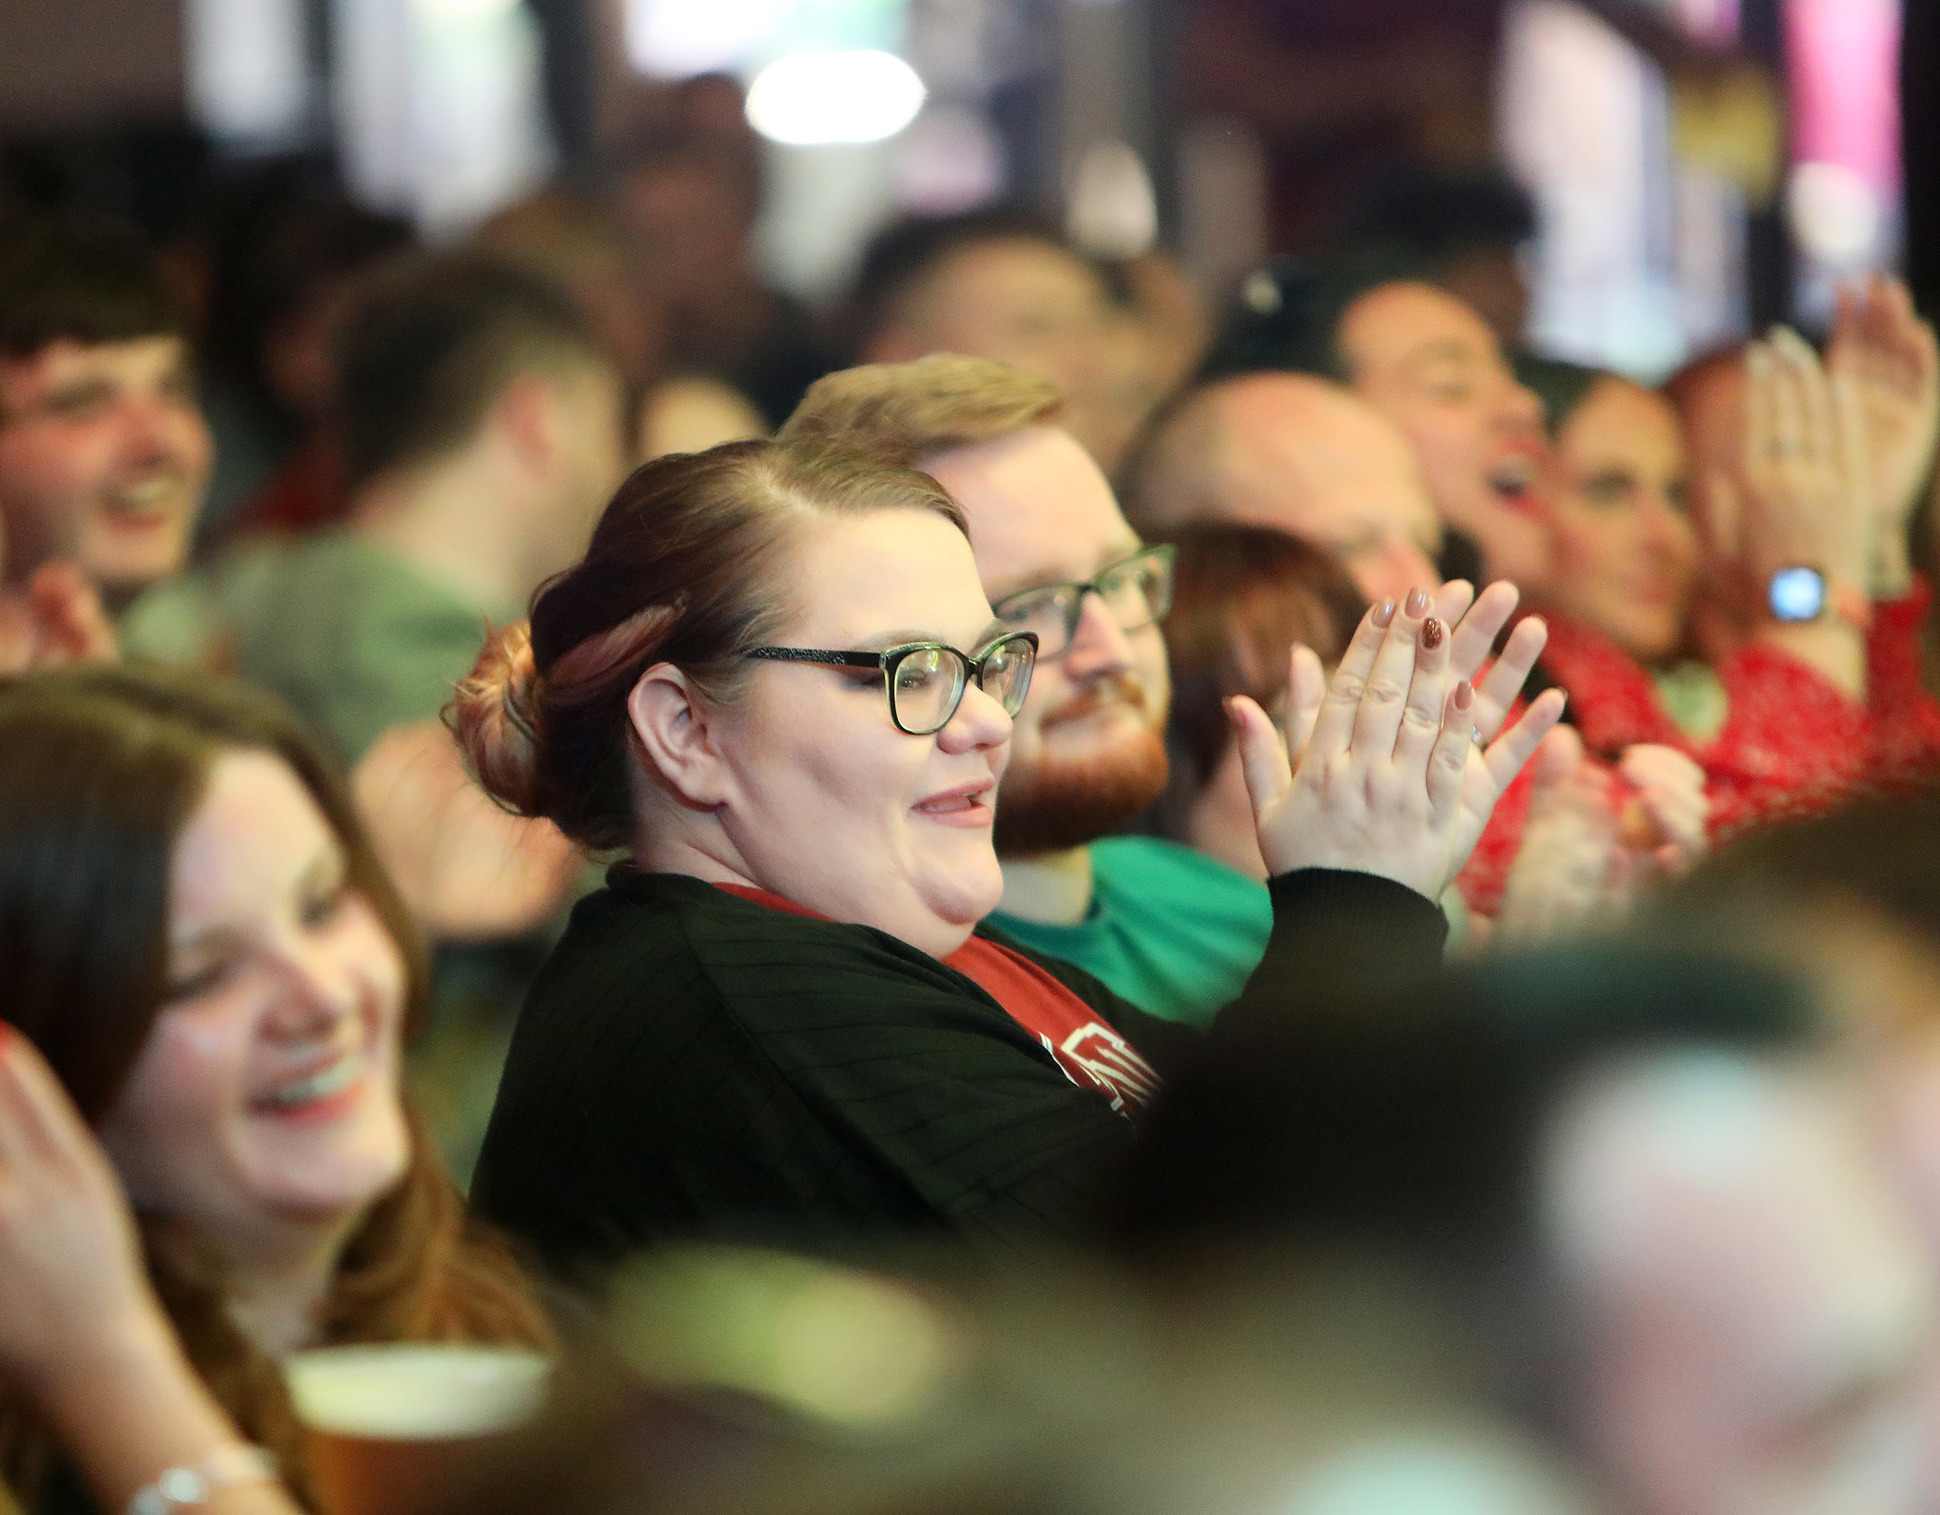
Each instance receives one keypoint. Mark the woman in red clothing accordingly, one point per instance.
(1814, 693)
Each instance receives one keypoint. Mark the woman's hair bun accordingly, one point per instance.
(494, 714)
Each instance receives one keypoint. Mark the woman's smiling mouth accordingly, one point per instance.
(965, 805)
(318, 1095)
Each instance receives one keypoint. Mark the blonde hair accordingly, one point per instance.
(904, 413)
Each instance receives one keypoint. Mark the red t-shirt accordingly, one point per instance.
(1092, 1054)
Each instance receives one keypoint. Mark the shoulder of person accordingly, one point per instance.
(1153, 862)
(765, 966)
(1159, 1040)
(192, 618)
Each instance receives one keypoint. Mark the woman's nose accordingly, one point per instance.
(319, 990)
(1664, 524)
(980, 721)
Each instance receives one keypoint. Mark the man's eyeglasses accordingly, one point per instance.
(926, 680)
(1137, 591)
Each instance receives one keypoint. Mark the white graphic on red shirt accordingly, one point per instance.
(1095, 1056)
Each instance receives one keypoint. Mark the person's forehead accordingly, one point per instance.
(1039, 508)
(1336, 464)
(1621, 418)
(1017, 268)
(65, 360)
(888, 571)
(1414, 323)
(256, 826)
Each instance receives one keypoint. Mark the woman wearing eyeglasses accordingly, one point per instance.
(774, 686)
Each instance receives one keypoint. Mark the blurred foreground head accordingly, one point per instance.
(1852, 902)
(1642, 1182)
(773, 1385)
(104, 454)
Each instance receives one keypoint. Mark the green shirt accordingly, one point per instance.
(1169, 929)
(350, 634)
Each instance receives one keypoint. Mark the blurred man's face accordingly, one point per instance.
(1756, 1319)
(104, 457)
(1429, 363)
(1086, 750)
(1338, 475)
(1017, 301)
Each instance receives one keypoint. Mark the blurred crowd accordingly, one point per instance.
(1030, 893)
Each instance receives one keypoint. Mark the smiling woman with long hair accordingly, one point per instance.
(198, 941)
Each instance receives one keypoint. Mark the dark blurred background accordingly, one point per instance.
(1690, 169)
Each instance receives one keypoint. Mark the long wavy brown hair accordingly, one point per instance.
(100, 771)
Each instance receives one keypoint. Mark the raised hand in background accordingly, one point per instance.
(1890, 358)
(1806, 501)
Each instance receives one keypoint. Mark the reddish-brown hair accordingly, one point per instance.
(687, 566)
(101, 770)
(1242, 597)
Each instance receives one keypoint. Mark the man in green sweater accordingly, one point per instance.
(482, 434)
(1169, 929)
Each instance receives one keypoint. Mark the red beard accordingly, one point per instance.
(1058, 803)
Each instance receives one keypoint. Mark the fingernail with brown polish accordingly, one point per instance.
(1384, 614)
(1417, 602)
(1431, 634)
(1464, 695)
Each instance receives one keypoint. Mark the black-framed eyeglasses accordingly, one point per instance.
(1136, 591)
(925, 680)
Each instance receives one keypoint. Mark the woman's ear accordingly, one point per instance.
(673, 730)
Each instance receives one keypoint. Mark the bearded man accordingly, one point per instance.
(1167, 928)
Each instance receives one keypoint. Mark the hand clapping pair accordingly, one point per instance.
(1395, 768)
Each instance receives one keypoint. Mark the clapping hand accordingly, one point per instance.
(70, 1267)
(57, 619)
(1382, 772)
(1596, 836)
(1664, 822)
(1805, 468)
(1889, 356)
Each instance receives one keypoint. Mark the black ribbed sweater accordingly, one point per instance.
(690, 1064)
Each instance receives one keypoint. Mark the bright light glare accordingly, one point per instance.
(678, 38)
(462, 12)
(1835, 213)
(809, 99)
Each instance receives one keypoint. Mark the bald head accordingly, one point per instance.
(1306, 457)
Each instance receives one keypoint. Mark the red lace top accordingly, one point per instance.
(1906, 718)
(1092, 1054)
(1792, 743)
